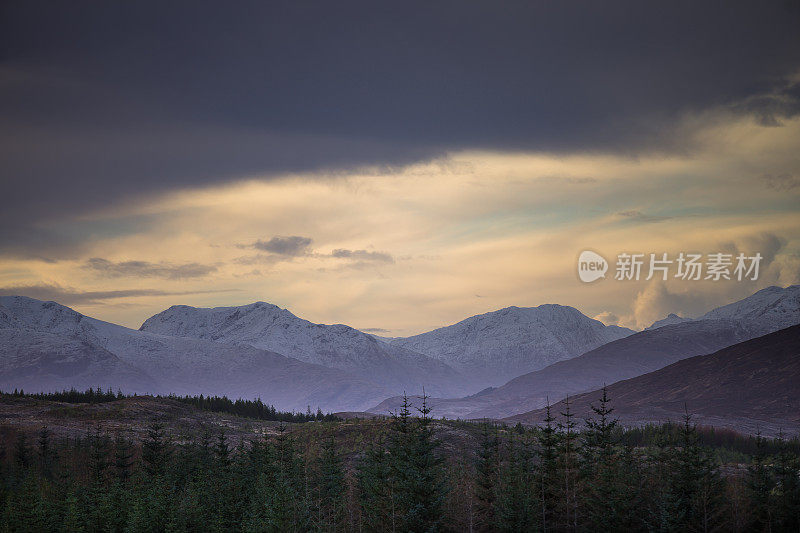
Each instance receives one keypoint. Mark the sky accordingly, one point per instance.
(394, 167)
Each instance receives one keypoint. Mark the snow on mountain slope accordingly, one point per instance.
(174, 364)
(670, 319)
(36, 360)
(767, 310)
(500, 345)
(624, 358)
(764, 312)
(269, 327)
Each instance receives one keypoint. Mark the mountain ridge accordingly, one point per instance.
(637, 354)
(502, 344)
(754, 384)
(269, 327)
(180, 365)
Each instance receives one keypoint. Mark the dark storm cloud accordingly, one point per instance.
(292, 246)
(71, 296)
(769, 109)
(104, 101)
(146, 269)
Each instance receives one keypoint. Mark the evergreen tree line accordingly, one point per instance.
(220, 404)
(553, 477)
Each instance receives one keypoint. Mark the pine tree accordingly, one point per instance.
(222, 452)
(377, 489)
(279, 501)
(760, 485)
(22, 505)
(47, 456)
(98, 455)
(664, 513)
(151, 507)
(96, 502)
(568, 470)
(123, 459)
(787, 488)
(422, 486)
(74, 518)
(403, 489)
(330, 515)
(695, 482)
(608, 474)
(599, 438)
(155, 450)
(547, 472)
(488, 471)
(518, 507)
(21, 456)
(224, 489)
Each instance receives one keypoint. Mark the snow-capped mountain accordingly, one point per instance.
(46, 346)
(765, 311)
(37, 360)
(670, 319)
(497, 346)
(269, 327)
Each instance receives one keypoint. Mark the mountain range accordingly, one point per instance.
(534, 354)
(766, 311)
(45, 346)
(268, 327)
(751, 386)
(495, 347)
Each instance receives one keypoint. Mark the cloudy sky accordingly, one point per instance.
(395, 167)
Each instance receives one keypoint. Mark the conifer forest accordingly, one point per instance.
(408, 472)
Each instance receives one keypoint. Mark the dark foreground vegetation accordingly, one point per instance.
(217, 404)
(403, 474)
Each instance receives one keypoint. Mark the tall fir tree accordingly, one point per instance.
(423, 484)
(547, 478)
(518, 507)
(787, 488)
(330, 487)
(123, 458)
(608, 476)
(279, 502)
(487, 474)
(47, 454)
(155, 450)
(695, 482)
(567, 515)
(377, 489)
(760, 484)
(403, 488)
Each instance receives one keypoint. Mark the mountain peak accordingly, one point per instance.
(268, 327)
(669, 320)
(498, 345)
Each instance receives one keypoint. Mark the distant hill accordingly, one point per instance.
(45, 346)
(268, 327)
(492, 348)
(750, 386)
(765, 311)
